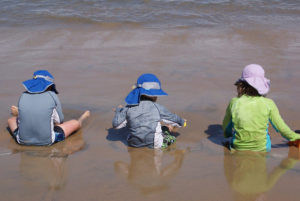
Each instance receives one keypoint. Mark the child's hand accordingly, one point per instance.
(294, 143)
(14, 110)
(171, 128)
(119, 106)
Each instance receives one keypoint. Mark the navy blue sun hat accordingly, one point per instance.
(147, 84)
(40, 82)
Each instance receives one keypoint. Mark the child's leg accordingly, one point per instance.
(12, 123)
(73, 125)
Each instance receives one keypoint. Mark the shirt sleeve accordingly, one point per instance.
(227, 121)
(58, 107)
(279, 125)
(119, 120)
(169, 117)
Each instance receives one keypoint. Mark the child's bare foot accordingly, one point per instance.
(14, 110)
(85, 115)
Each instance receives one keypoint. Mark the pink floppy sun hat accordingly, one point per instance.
(254, 75)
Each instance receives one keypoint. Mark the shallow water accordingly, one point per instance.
(95, 65)
(149, 13)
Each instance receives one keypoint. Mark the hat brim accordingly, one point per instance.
(133, 98)
(153, 92)
(37, 85)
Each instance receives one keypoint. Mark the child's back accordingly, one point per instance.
(251, 116)
(144, 121)
(37, 114)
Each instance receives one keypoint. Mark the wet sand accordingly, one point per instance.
(94, 68)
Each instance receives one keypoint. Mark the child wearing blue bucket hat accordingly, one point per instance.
(38, 119)
(143, 116)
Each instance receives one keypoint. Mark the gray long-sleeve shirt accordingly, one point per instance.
(37, 115)
(142, 121)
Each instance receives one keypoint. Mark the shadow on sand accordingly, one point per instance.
(117, 135)
(215, 134)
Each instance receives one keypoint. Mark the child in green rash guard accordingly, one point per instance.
(248, 115)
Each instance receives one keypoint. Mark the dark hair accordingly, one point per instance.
(149, 98)
(244, 88)
(52, 88)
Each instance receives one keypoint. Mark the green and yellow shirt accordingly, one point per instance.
(247, 120)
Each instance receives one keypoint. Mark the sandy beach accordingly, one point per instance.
(94, 68)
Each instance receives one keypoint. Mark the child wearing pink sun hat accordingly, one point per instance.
(249, 114)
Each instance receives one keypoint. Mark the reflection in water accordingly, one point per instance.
(246, 172)
(150, 170)
(44, 169)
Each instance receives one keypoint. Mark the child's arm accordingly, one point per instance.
(60, 116)
(227, 121)
(169, 117)
(119, 120)
(279, 125)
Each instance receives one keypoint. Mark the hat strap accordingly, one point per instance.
(44, 77)
(149, 85)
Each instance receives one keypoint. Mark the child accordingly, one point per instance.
(143, 115)
(248, 115)
(38, 120)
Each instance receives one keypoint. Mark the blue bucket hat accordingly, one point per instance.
(147, 84)
(40, 82)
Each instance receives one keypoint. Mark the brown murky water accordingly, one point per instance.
(94, 68)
